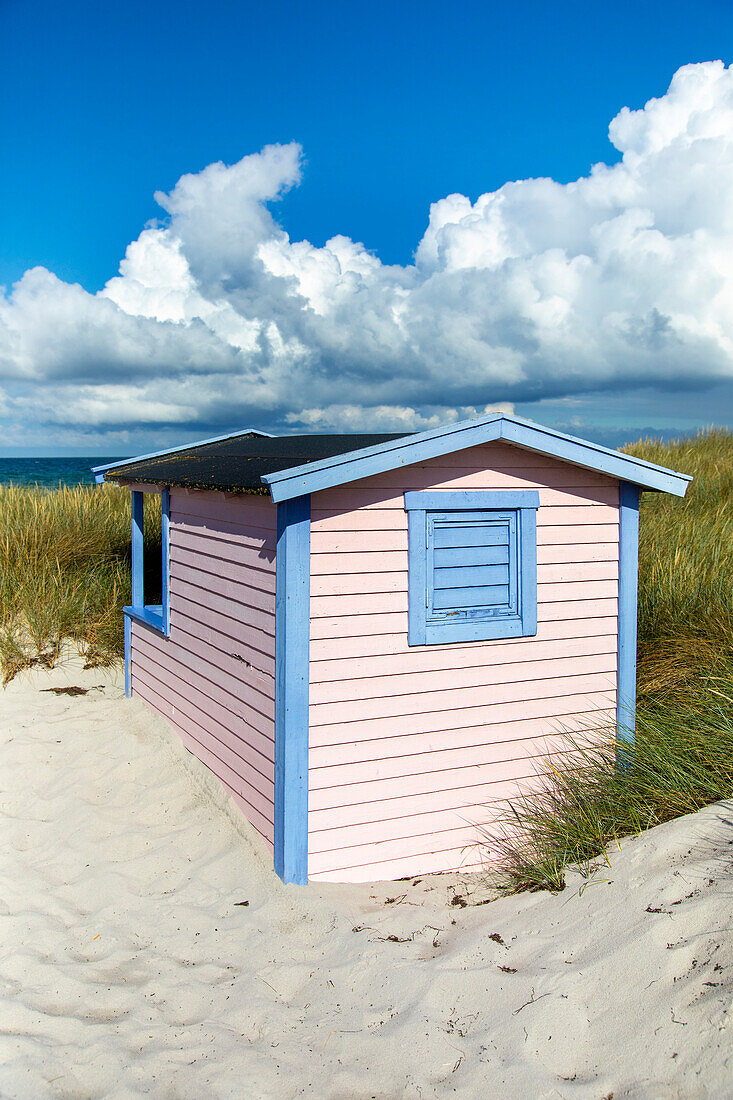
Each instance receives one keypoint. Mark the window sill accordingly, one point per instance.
(450, 633)
(151, 615)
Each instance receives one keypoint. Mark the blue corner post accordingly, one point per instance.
(137, 595)
(128, 648)
(628, 580)
(292, 638)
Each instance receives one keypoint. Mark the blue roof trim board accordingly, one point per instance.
(99, 471)
(328, 472)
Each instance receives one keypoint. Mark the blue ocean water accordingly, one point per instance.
(50, 473)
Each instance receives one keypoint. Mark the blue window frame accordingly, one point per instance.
(472, 565)
(156, 616)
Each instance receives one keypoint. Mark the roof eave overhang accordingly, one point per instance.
(310, 478)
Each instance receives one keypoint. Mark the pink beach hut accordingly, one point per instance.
(372, 639)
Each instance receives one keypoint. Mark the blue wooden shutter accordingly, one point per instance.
(472, 564)
(472, 568)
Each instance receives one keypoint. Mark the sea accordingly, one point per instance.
(51, 473)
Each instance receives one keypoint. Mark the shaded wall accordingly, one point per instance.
(214, 677)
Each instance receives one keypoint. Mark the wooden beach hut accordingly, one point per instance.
(372, 639)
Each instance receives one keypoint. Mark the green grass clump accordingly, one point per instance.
(681, 760)
(682, 757)
(686, 548)
(65, 572)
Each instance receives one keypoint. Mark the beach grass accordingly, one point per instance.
(598, 793)
(682, 756)
(65, 572)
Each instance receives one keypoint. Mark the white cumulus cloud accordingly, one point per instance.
(622, 279)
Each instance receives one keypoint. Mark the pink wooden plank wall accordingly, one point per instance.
(214, 677)
(409, 747)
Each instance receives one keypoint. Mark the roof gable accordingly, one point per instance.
(407, 450)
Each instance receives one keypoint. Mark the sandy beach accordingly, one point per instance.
(149, 950)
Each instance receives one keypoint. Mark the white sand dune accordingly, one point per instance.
(131, 967)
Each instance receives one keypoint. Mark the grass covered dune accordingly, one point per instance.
(65, 574)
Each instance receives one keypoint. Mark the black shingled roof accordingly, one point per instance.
(236, 465)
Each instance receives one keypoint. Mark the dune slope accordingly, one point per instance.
(146, 947)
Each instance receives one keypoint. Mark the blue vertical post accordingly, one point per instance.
(128, 648)
(165, 507)
(292, 638)
(628, 580)
(137, 597)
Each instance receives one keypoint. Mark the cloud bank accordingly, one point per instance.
(537, 291)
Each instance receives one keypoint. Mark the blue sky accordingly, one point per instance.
(395, 106)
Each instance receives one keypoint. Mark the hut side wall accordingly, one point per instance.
(214, 677)
(410, 746)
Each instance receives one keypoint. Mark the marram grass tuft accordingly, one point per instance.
(682, 758)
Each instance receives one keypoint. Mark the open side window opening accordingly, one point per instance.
(150, 560)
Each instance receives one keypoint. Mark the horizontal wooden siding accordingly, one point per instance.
(411, 746)
(214, 677)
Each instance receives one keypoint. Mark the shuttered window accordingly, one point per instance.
(472, 566)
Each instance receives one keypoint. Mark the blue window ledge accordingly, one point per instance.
(151, 615)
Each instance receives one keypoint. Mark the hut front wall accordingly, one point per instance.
(214, 677)
(410, 746)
